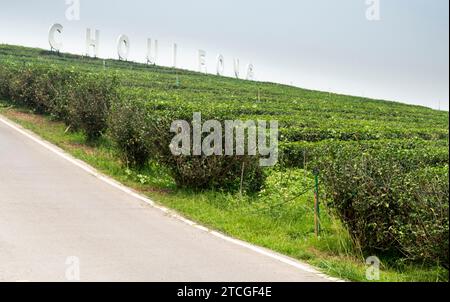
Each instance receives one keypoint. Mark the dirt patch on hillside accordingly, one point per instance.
(86, 149)
(24, 116)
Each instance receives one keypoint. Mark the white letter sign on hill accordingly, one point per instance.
(51, 36)
(202, 61)
(92, 42)
(250, 72)
(151, 59)
(174, 60)
(220, 65)
(236, 68)
(123, 47)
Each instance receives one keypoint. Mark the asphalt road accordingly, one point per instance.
(60, 223)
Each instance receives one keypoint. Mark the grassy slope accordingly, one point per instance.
(287, 229)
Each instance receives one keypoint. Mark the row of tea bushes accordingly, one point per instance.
(141, 131)
(80, 99)
(393, 200)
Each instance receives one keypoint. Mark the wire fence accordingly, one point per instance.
(285, 202)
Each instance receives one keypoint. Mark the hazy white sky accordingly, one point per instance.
(319, 44)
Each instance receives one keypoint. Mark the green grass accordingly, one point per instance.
(258, 219)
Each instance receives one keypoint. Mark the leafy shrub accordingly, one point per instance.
(129, 130)
(201, 172)
(90, 102)
(81, 99)
(375, 192)
(409, 152)
(6, 74)
(21, 87)
(302, 154)
(53, 89)
(423, 230)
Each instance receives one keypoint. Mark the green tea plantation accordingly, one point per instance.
(383, 166)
